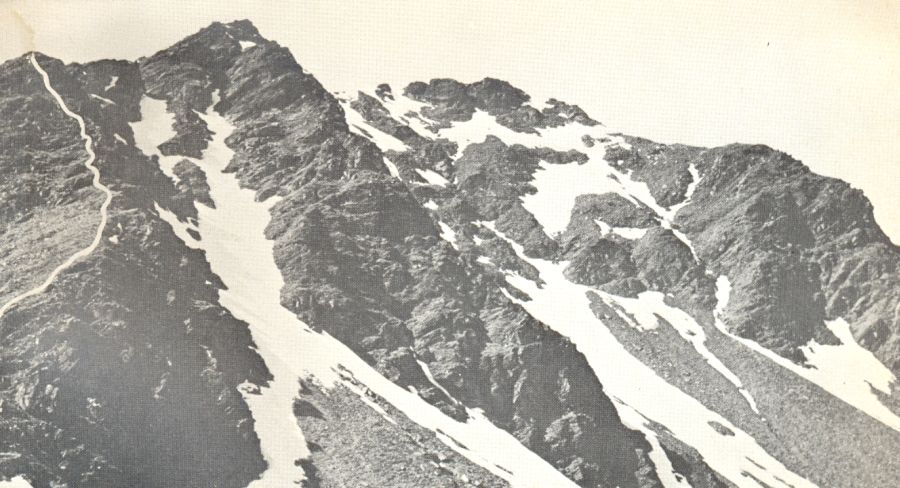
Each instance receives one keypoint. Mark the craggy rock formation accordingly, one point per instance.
(363, 260)
(119, 375)
(793, 243)
(126, 372)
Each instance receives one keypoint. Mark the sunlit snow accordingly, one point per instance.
(17, 482)
(103, 100)
(651, 304)
(238, 251)
(358, 125)
(448, 234)
(155, 128)
(392, 168)
(627, 378)
(847, 371)
(631, 233)
(632, 419)
(432, 177)
(112, 83)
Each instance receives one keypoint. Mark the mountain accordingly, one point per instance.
(439, 284)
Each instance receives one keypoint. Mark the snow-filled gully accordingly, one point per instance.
(234, 241)
(89, 164)
(558, 185)
(641, 389)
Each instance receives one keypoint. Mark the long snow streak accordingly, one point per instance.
(641, 388)
(89, 164)
(233, 238)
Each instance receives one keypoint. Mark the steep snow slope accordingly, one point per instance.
(234, 241)
(732, 456)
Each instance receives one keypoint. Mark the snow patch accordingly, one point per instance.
(112, 83)
(650, 305)
(400, 106)
(103, 100)
(664, 469)
(432, 177)
(631, 233)
(17, 482)
(448, 235)
(392, 168)
(154, 128)
(430, 205)
(848, 371)
(358, 125)
(178, 227)
(239, 253)
(120, 139)
(427, 371)
(641, 388)
(246, 45)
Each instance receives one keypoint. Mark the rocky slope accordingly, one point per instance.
(405, 217)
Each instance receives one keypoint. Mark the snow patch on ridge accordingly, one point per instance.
(359, 126)
(239, 253)
(848, 371)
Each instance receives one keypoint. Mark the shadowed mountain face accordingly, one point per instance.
(420, 227)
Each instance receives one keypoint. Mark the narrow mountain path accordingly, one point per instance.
(89, 163)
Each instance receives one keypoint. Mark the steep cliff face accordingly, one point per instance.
(119, 374)
(636, 314)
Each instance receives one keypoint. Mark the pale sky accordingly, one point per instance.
(816, 79)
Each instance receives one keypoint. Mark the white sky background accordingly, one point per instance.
(817, 79)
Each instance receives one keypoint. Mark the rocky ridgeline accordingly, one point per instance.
(798, 248)
(126, 372)
(756, 216)
(363, 260)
